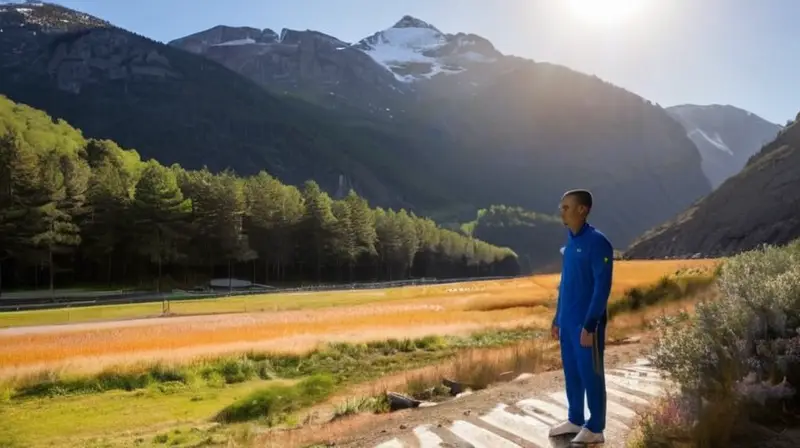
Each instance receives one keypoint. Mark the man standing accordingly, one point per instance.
(581, 318)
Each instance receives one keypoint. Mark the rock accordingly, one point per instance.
(399, 401)
(454, 386)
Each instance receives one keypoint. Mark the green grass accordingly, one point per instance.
(117, 407)
(99, 419)
(238, 304)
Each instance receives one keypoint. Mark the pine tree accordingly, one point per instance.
(319, 223)
(160, 213)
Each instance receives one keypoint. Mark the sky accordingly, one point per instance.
(738, 52)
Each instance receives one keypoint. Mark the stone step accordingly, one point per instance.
(528, 421)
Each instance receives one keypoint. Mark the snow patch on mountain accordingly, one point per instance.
(699, 137)
(401, 50)
(247, 41)
(413, 49)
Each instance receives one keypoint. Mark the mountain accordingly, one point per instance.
(178, 107)
(756, 206)
(441, 124)
(507, 130)
(725, 135)
(304, 63)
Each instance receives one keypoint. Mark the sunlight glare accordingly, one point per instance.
(605, 12)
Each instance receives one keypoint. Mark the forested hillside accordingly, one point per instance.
(534, 237)
(85, 210)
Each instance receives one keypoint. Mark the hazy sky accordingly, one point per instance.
(740, 52)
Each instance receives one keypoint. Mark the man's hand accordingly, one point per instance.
(586, 338)
(554, 332)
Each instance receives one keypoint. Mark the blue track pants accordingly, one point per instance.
(584, 374)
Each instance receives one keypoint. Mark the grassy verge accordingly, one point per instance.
(736, 359)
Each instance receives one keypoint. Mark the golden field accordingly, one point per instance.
(297, 322)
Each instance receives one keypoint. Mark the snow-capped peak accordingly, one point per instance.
(413, 22)
(413, 49)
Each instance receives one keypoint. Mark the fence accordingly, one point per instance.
(95, 298)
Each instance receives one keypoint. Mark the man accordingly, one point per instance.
(581, 318)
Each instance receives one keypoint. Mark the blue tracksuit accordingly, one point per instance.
(582, 298)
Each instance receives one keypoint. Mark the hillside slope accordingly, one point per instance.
(758, 205)
(725, 135)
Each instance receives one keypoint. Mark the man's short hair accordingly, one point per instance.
(583, 197)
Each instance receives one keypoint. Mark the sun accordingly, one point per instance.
(606, 12)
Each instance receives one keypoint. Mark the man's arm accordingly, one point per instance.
(558, 304)
(602, 261)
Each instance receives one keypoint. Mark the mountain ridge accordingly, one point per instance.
(513, 131)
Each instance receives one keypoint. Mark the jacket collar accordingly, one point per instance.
(583, 230)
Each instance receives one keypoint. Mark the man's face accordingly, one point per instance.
(572, 213)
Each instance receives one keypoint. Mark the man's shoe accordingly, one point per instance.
(586, 437)
(565, 428)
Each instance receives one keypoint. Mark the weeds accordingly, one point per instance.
(377, 404)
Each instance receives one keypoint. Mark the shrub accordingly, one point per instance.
(276, 403)
(735, 352)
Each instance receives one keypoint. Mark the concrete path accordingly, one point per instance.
(525, 424)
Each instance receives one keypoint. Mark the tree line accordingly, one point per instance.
(76, 210)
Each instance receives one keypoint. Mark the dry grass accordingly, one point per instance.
(411, 312)
(478, 368)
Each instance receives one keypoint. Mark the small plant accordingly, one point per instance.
(377, 404)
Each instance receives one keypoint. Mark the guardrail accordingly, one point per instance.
(120, 298)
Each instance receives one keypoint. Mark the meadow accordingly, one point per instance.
(143, 378)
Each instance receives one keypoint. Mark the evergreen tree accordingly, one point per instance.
(160, 212)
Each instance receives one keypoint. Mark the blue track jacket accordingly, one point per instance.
(585, 280)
